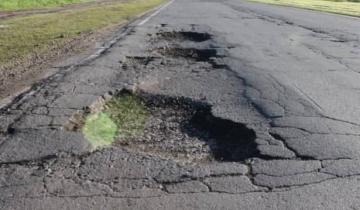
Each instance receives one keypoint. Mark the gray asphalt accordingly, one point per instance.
(290, 76)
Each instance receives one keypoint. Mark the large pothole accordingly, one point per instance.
(184, 36)
(199, 55)
(134, 62)
(183, 129)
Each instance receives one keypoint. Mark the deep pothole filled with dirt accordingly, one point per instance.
(170, 127)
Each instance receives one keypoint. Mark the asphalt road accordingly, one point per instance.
(289, 78)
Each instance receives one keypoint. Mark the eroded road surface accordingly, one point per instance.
(271, 93)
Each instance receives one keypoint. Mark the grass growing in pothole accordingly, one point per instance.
(122, 118)
(171, 127)
(100, 129)
(129, 114)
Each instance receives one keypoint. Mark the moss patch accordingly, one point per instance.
(123, 118)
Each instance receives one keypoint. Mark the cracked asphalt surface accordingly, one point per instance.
(289, 76)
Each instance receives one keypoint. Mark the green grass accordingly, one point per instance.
(100, 130)
(37, 34)
(123, 118)
(129, 114)
(31, 4)
(349, 7)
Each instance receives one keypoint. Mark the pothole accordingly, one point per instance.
(143, 60)
(171, 127)
(202, 55)
(184, 35)
(134, 61)
(228, 141)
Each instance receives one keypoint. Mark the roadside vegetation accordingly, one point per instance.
(344, 7)
(29, 42)
(37, 33)
(31, 4)
(123, 118)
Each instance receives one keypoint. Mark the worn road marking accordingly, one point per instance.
(155, 13)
